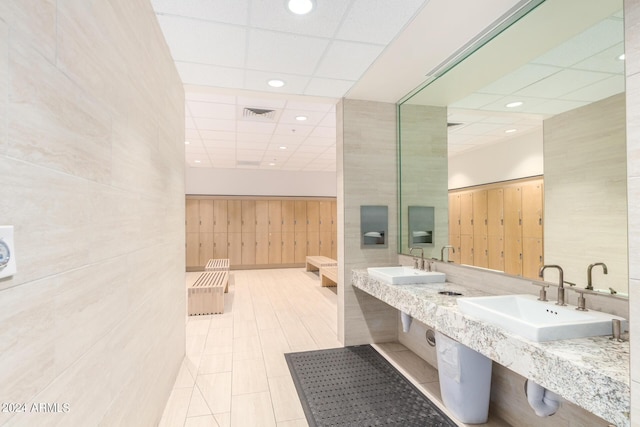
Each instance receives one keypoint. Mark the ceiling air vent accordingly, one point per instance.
(258, 113)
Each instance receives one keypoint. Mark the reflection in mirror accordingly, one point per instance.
(421, 224)
(374, 222)
(543, 98)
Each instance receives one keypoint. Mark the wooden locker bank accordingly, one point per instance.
(259, 232)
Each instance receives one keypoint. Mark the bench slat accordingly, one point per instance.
(206, 294)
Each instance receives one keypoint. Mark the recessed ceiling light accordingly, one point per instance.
(510, 130)
(514, 104)
(272, 164)
(283, 147)
(275, 83)
(621, 57)
(187, 143)
(300, 7)
(301, 118)
(196, 161)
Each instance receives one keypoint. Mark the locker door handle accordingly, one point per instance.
(471, 221)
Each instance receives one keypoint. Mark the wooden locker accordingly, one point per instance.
(313, 216)
(466, 249)
(532, 256)
(206, 247)
(325, 216)
(455, 241)
(192, 215)
(220, 216)
(532, 196)
(325, 243)
(300, 244)
(466, 214)
(479, 219)
(234, 248)
(495, 215)
(300, 213)
(193, 250)
(275, 247)
(262, 216)
(248, 255)
(288, 247)
(334, 217)
(288, 216)
(220, 247)
(454, 214)
(480, 251)
(234, 216)
(513, 230)
(313, 242)
(206, 216)
(248, 216)
(262, 247)
(495, 246)
(275, 216)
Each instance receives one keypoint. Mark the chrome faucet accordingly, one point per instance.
(589, 281)
(415, 260)
(442, 252)
(561, 291)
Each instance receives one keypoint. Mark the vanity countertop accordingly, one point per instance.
(591, 372)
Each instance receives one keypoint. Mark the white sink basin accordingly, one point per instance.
(405, 275)
(535, 320)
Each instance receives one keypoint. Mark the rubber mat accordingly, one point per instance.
(357, 387)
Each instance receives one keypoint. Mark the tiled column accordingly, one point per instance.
(632, 63)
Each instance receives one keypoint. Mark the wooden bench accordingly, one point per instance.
(329, 276)
(316, 262)
(206, 294)
(218, 264)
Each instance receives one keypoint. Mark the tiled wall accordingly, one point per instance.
(585, 193)
(367, 175)
(632, 66)
(92, 179)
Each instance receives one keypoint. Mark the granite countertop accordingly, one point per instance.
(592, 372)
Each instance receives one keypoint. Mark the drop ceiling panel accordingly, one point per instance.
(288, 140)
(313, 117)
(311, 106)
(285, 53)
(521, 78)
(332, 88)
(210, 109)
(323, 22)
(253, 137)
(556, 106)
(602, 36)
(209, 75)
(249, 155)
(229, 11)
(220, 145)
(329, 121)
(347, 60)
(476, 100)
(252, 145)
(599, 90)
(324, 132)
(606, 61)
(325, 142)
(211, 97)
(257, 80)
(212, 135)
(261, 102)
(204, 123)
(255, 127)
(561, 83)
(192, 40)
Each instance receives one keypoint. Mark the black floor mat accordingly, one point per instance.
(356, 386)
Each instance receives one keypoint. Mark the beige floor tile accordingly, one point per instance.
(249, 376)
(197, 325)
(275, 365)
(294, 423)
(176, 410)
(215, 363)
(253, 410)
(284, 397)
(245, 328)
(204, 421)
(216, 390)
(198, 406)
(223, 419)
(246, 348)
(219, 341)
(185, 377)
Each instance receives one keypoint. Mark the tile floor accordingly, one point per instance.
(235, 374)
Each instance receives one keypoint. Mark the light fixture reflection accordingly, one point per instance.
(275, 83)
(514, 104)
(300, 7)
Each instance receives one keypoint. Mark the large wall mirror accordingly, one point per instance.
(544, 98)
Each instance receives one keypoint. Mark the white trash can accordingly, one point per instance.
(465, 380)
